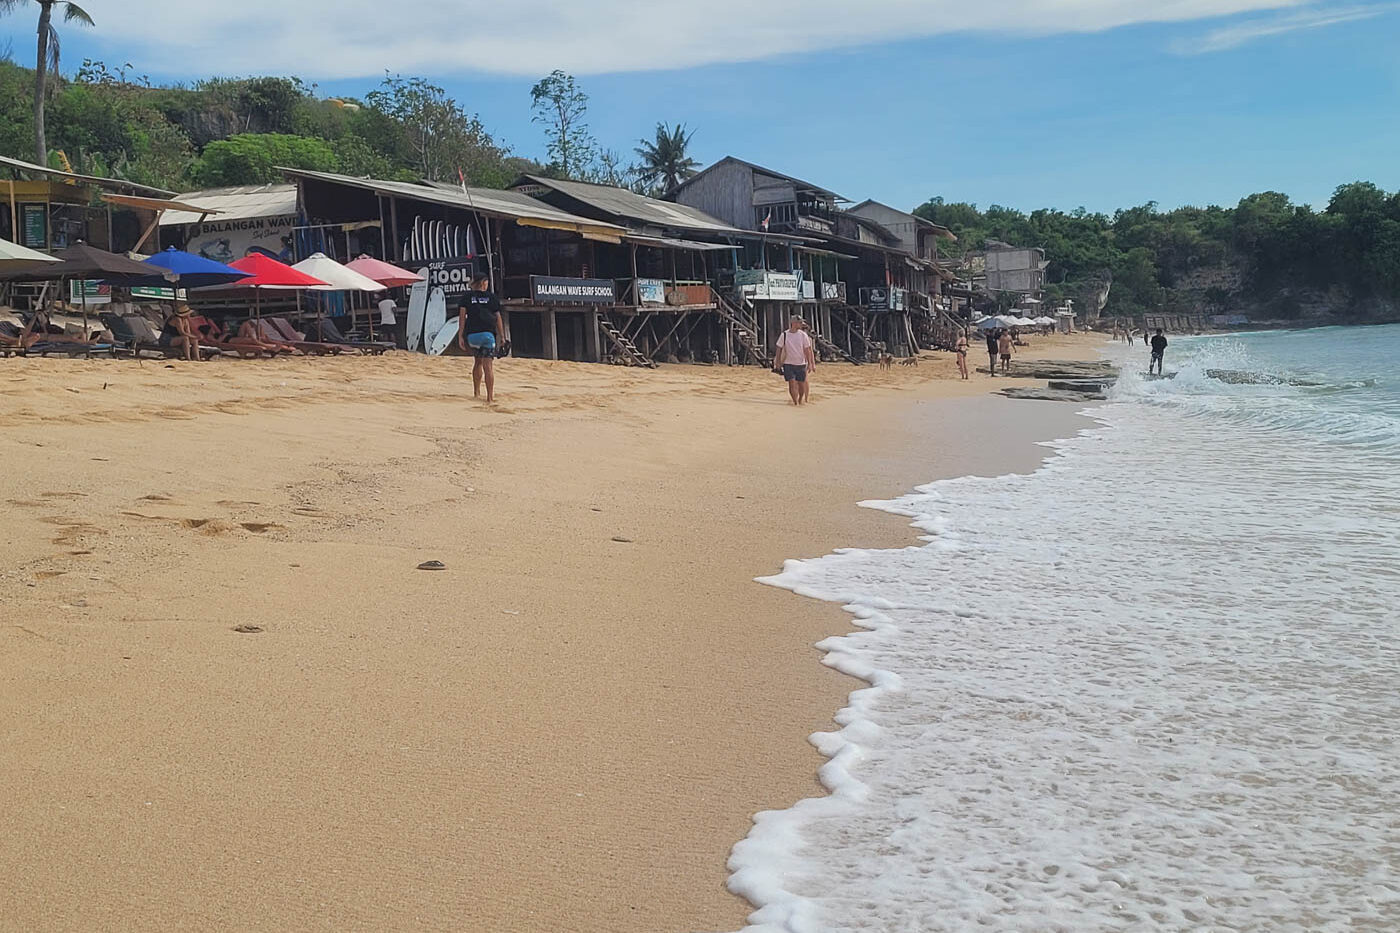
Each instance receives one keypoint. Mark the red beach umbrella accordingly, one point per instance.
(266, 272)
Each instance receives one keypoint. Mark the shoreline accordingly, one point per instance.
(562, 730)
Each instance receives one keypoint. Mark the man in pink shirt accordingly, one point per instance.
(795, 358)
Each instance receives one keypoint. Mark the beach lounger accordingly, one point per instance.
(212, 334)
(281, 329)
(327, 331)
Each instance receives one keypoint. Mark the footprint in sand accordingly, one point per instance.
(156, 497)
(258, 528)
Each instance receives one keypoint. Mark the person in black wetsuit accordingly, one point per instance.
(1159, 349)
(480, 328)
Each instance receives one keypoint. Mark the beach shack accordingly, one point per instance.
(550, 267)
(51, 209)
(865, 288)
(676, 271)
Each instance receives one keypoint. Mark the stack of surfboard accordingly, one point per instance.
(429, 329)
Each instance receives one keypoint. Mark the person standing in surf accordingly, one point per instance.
(480, 329)
(794, 358)
(1159, 350)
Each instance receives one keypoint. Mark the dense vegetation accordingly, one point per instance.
(1266, 256)
(236, 131)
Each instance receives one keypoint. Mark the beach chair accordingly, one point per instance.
(212, 334)
(281, 329)
(50, 343)
(327, 331)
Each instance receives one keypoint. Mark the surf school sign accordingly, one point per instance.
(453, 276)
(547, 288)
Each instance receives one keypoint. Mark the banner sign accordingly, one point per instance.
(548, 288)
(769, 286)
(230, 240)
(453, 276)
(884, 299)
(36, 226)
(651, 292)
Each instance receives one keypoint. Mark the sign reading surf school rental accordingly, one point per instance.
(547, 288)
(453, 276)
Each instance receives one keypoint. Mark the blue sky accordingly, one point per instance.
(1285, 95)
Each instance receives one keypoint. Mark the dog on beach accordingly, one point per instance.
(885, 360)
(909, 361)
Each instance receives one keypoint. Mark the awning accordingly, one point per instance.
(491, 202)
(107, 184)
(155, 204)
(671, 243)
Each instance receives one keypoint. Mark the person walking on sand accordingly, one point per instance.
(479, 328)
(992, 334)
(1159, 350)
(961, 349)
(1005, 347)
(795, 358)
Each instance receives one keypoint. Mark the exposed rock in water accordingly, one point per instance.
(1080, 385)
(1242, 378)
(1091, 370)
(1052, 395)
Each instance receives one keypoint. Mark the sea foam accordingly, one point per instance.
(1148, 687)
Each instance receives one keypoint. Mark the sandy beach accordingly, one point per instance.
(566, 729)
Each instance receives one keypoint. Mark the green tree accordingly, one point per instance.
(253, 158)
(438, 137)
(560, 105)
(665, 161)
(47, 57)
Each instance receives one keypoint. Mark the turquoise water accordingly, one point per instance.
(1151, 686)
(1340, 384)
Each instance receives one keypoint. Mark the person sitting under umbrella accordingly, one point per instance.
(179, 333)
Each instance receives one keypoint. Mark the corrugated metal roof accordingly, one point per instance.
(628, 205)
(490, 201)
(767, 171)
(108, 184)
(941, 230)
(240, 202)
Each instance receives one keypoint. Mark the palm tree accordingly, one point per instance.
(47, 59)
(664, 162)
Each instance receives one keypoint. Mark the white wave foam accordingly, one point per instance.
(1150, 686)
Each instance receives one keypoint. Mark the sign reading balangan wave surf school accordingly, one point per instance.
(546, 288)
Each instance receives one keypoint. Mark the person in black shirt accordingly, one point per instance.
(1159, 349)
(480, 329)
(992, 334)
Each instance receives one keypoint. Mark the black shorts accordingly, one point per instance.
(1157, 354)
(794, 373)
(1006, 357)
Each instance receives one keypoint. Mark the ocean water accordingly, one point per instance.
(1153, 686)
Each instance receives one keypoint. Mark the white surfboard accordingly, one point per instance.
(417, 308)
(443, 339)
(435, 316)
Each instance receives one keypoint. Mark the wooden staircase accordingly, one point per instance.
(626, 350)
(831, 349)
(744, 329)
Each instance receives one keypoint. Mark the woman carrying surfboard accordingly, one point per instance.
(480, 329)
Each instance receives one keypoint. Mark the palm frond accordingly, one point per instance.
(9, 6)
(74, 13)
(53, 49)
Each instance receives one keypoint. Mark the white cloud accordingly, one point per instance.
(323, 39)
(1233, 36)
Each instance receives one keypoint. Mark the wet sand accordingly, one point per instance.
(567, 729)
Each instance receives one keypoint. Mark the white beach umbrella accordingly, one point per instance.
(337, 277)
(14, 256)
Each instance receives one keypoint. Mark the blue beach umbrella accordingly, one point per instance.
(188, 271)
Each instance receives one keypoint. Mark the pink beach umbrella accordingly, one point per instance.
(383, 272)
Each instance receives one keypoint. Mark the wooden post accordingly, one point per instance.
(397, 254)
(549, 326)
(593, 339)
